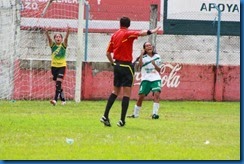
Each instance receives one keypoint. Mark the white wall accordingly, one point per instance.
(172, 48)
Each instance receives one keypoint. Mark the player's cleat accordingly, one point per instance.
(121, 123)
(63, 102)
(54, 102)
(105, 121)
(155, 116)
(132, 116)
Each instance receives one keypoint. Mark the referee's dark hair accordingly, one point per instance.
(125, 22)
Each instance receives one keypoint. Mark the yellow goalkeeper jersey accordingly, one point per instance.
(58, 55)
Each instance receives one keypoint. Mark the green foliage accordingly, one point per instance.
(36, 130)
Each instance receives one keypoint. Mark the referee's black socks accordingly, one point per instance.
(125, 105)
(110, 103)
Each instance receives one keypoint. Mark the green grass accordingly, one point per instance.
(35, 130)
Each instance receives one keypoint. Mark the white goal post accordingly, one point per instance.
(78, 77)
(25, 55)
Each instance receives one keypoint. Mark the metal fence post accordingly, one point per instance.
(86, 31)
(218, 36)
(153, 23)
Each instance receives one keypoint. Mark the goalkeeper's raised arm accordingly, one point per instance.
(66, 36)
(50, 41)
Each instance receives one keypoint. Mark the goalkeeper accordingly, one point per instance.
(149, 62)
(58, 63)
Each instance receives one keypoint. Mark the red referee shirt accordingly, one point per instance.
(121, 44)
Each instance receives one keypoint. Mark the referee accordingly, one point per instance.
(121, 45)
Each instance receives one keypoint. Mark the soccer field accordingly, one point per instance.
(186, 130)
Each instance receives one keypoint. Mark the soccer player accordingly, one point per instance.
(120, 45)
(149, 62)
(58, 63)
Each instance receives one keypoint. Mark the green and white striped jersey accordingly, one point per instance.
(148, 71)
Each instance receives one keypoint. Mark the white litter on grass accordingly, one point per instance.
(206, 142)
(69, 141)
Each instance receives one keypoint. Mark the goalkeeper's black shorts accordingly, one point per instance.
(58, 72)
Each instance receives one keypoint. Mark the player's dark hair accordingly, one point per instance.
(144, 46)
(56, 35)
(125, 22)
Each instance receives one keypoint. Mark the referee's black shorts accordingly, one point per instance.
(123, 74)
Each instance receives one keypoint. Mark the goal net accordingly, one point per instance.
(26, 55)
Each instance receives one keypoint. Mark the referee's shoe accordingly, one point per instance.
(121, 123)
(105, 121)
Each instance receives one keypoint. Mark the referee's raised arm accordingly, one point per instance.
(149, 32)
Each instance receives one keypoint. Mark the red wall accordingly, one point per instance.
(180, 82)
(137, 10)
(195, 82)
